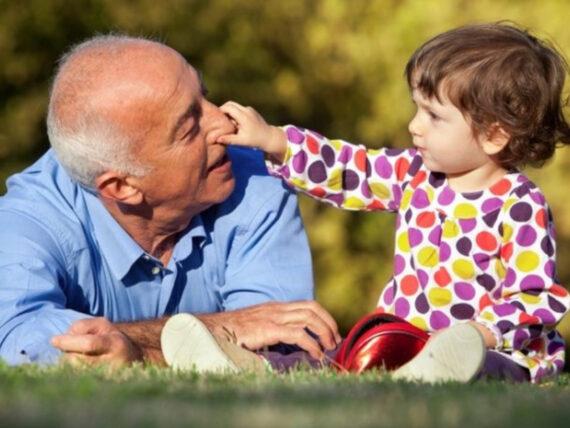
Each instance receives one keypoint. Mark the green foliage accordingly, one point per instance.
(149, 397)
(331, 65)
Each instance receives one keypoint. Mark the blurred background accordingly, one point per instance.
(335, 66)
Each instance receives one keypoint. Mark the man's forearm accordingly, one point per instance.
(146, 336)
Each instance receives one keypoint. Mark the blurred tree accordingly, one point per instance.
(332, 65)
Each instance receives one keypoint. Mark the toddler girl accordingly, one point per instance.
(475, 237)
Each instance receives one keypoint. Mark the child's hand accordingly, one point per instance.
(253, 131)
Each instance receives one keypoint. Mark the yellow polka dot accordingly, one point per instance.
(439, 296)
(464, 269)
(374, 151)
(450, 229)
(403, 242)
(335, 180)
(299, 183)
(508, 204)
(507, 233)
(428, 257)
(500, 269)
(380, 191)
(337, 144)
(419, 323)
(430, 193)
(288, 154)
(487, 316)
(527, 261)
(531, 362)
(406, 198)
(465, 211)
(353, 203)
(529, 298)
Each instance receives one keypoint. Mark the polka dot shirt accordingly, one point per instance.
(487, 256)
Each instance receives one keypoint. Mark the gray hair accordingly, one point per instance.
(88, 144)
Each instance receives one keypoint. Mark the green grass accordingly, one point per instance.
(146, 397)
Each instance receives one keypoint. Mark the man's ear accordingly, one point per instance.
(495, 139)
(115, 186)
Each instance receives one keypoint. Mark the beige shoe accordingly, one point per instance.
(188, 345)
(453, 355)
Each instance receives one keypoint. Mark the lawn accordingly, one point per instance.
(147, 397)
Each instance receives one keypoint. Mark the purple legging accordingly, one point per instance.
(496, 365)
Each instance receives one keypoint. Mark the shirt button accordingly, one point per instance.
(146, 257)
(155, 270)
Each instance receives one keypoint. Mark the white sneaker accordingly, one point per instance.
(456, 354)
(188, 345)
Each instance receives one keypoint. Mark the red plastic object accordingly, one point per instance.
(380, 340)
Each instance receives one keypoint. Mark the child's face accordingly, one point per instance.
(444, 137)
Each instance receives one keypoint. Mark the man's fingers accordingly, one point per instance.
(321, 312)
(87, 344)
(304, 317)
(298, 336)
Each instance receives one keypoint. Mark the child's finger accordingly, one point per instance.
(233, 139)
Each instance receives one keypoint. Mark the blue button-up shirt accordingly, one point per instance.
(63, 257)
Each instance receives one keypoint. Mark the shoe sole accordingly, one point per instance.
(454, 355)
(188, 345)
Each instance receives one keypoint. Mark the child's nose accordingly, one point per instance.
(414, 126)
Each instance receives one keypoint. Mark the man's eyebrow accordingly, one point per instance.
(193, 110)
(203, 88)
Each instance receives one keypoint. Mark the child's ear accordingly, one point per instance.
(495, 139)
(118, 187)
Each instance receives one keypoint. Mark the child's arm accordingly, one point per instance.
(528, 302)
(342, 174)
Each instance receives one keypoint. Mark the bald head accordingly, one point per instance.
(102, 98)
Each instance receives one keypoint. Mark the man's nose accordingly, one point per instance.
(216, 121)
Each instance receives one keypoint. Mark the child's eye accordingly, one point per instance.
(433, 116)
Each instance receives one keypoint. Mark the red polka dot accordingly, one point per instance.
(402, 166)
(558, 290)
(442, 277)
(525, 318)
(501, 187)
(540, 218)
(426, 219)
(536, 345)
(486, 241)
(376, 205)
(484, 302)
(418, 179)
(313, 145)
(319, 192)
(507, 251)
(409, 285)
(360, 160)
(380, 310)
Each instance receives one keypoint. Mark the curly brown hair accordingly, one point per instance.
(498, 74)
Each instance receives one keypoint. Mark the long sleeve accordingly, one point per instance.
(345, 175)
(529, 301)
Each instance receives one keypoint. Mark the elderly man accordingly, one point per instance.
(138, 213)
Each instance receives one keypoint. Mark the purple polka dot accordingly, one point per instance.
(446, 197)
(462, 311)
(399, 264)
(317, 172)
(295, 136)
(408, 216)
(285, 172)
(444, 252)
(299, 161)
(491, 204)
(472, 196)
(521, 212)
(415, 237)
(388, 295)
(420, 199)
(505, 309)
(345, 155)
(464, 290)
(467, 224)
(415, 166)
(482, 260)
(435, 236)
(526, 236)
(538, 198)
(545, 316)
(402, 307)
(397, 194)
(394, 152)
(491, 218)
(487, 281)
(532, 282)
(383, 167)
(436, 179)
(547, 247)
(350, 180)
(365, 190)
(554, 347)
(464, 245)
(422, 305)
(505, 326)
(511, 277)
(550, 269)
(438, 320)
(327, 154)
(520, 338)
(555, 305)
(423, 277)
(335, 199)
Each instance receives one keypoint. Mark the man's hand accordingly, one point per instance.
(271, 323)
(96, 341)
